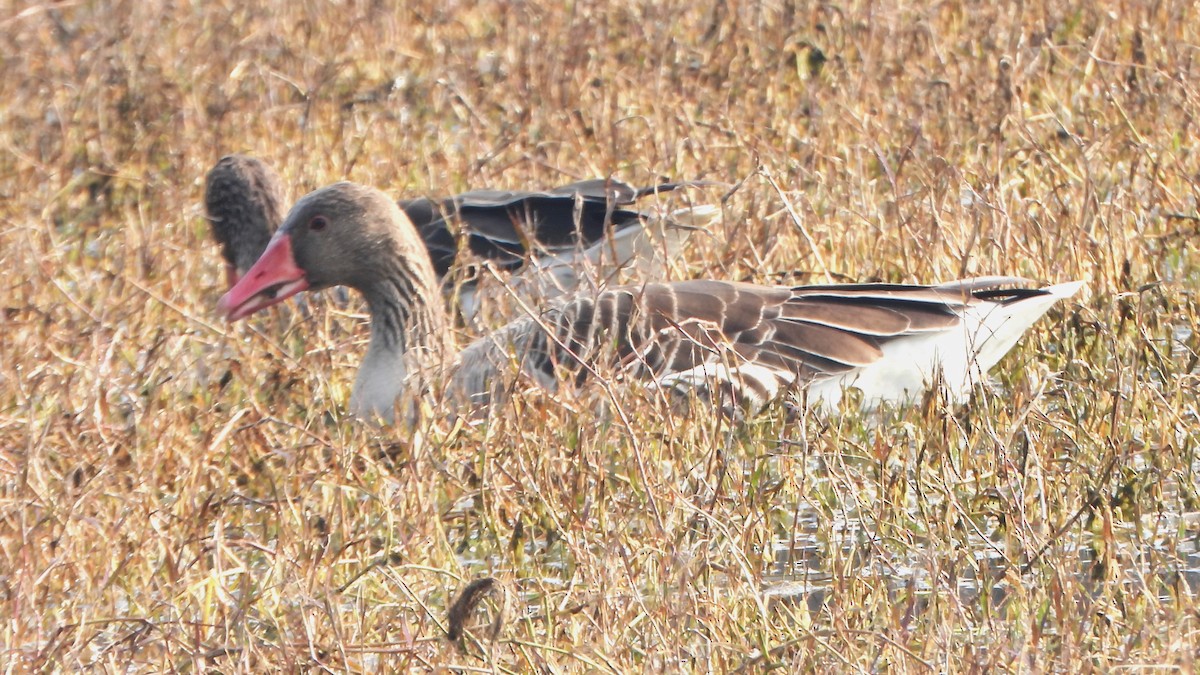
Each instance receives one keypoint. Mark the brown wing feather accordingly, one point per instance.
(810, 331)
(805, 332)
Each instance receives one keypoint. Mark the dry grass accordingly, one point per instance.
(177, 494)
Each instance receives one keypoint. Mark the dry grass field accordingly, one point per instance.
(178, 494)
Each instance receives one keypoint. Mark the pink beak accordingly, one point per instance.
(271, 280)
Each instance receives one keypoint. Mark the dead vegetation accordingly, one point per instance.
(178, 494)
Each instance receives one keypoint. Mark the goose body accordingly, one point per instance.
(582, 231)
(741, 343)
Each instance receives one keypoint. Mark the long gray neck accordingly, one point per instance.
(408, 332)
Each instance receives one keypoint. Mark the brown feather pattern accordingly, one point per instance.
(793, 336)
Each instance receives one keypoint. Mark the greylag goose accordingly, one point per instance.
(584, 226)
(715, 338)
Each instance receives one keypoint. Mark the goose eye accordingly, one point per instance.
(318, 223)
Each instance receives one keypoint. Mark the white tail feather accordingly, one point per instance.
(959, 357)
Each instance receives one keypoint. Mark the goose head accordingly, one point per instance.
(243, 202)
(341, 235)
(351, 235)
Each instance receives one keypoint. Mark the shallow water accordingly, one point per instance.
(799, 572)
